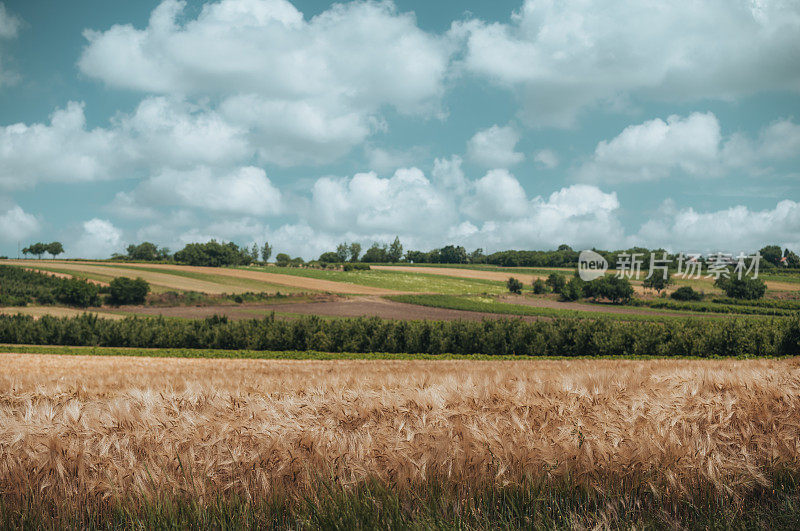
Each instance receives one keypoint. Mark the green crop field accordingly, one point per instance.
(397, 280)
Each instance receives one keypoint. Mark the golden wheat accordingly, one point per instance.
(107, 427)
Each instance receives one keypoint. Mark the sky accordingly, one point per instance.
(494, 125)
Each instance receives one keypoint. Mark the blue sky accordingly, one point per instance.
(486, 124)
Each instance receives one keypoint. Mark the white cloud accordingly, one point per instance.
(692, 145)
(580, 215)
(496, 195)
(448, 175)
(9, 27)
(494, 147)
(735, 229)
(308, 90)
(9, 24)
(16, 224)
(384, 160)
(563, 56)
(99, 239)
(653, 149)
(65, 150)
(546, 158)
(173, 132)
(405, 202)
(245, 190)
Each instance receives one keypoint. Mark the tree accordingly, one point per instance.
(282, 259)
(266, 252)
(126, 290)
(395, 250)
(75, 292)
(539, 286)
(615, 289)
(342, 252)
(573, 290)
(477, 256)
(213, 254)
(772, 254)
(451, 254)
(686, 293)
(556, 281)
(55, 249)
(742, 288)
(355, 251)
(657, 282)
(146, 251)
(254, 253)
(416, 257)
(375, 254)
(329, 256)
(37, 248)
(514, 285)
(792, 260)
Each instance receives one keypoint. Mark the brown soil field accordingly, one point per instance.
(337, 307)
(149, 426)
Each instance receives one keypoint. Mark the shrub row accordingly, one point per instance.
(559, 337)
(19, 287)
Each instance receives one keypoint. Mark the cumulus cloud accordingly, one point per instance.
(384, 160)
(245, 190)
(64, 150)
(308, 90)
(580, 215)
(561, 57)
(735, 229)
(99, 239)
(172, 132)
(16, 224)
(494, 147)
(692, 145)
(405, 202)
(497, 194)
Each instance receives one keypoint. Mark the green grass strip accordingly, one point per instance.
(315, 355)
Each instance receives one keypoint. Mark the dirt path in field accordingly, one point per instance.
(190, 284)
(55, 311)
(352, 307)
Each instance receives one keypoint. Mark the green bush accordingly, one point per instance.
(126, 290)
(514, 285)
(75, 292)
(355, 266)
(573, 290)
(614, 288)
(686, 293)
(557, 282)
(539, 286)
(742, 288)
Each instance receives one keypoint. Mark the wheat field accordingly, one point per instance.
(81, 429)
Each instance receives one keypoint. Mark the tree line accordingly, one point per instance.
(779, 336)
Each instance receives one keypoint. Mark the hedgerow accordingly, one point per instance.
(559, 337)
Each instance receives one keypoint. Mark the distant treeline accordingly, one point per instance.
(214, 253)
(560, 337)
